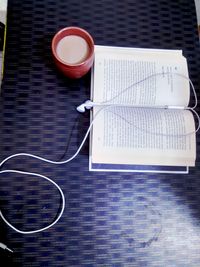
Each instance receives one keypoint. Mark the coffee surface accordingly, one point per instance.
(72, 49)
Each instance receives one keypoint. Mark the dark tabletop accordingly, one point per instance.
(111, 219)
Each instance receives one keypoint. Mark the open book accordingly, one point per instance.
(140, 120)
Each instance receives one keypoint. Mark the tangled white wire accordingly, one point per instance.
(104, 105)
(51, 181)
(44, 177)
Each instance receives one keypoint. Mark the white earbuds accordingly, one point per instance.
(87, 105)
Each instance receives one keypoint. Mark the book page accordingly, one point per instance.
(127, 135)
(138, 77)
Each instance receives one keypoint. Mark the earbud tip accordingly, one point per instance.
(81, 108)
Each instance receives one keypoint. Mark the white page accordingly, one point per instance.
(116, 69)
(124, 135)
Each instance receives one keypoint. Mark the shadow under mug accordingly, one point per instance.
(73, 51)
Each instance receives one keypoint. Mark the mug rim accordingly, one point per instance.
(78, 29)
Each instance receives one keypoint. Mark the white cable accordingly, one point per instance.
(157, 133)
(105, 105)
(149, 77)
(51, 161)
(109, 103)
(3, 246)
(51, 181)
(198, 118)
(44, 177)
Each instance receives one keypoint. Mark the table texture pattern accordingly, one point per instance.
(111, 219)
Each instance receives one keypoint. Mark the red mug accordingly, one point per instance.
(73, 51)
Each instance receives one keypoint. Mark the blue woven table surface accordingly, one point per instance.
(111, 219)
